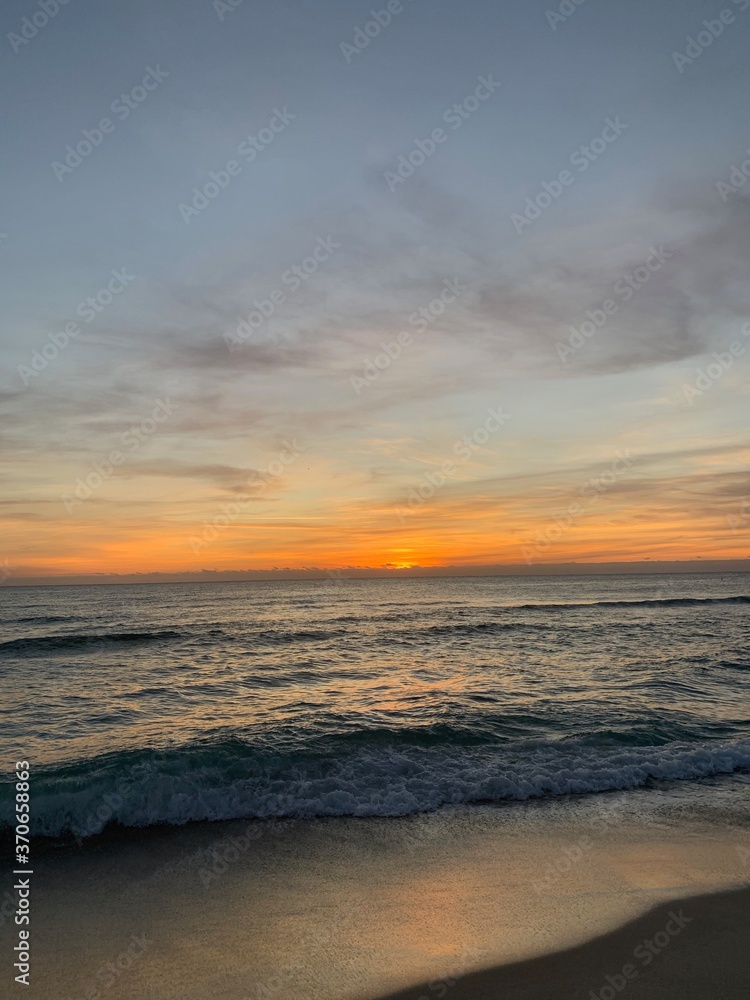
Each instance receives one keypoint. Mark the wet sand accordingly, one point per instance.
(691, 949)
(347, 909)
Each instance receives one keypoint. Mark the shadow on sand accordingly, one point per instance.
(694, 949)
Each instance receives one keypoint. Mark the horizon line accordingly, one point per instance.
(342, 573)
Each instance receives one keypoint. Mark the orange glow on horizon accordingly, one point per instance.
(166, 548)
(517, 521)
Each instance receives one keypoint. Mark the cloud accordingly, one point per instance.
(525, 296)
(229, 477)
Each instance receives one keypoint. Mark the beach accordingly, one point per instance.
(553, 896)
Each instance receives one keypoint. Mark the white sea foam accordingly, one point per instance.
(368, 782)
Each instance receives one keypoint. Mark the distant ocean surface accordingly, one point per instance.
(168, 703)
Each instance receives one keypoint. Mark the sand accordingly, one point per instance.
(693, 949)
(347, 909)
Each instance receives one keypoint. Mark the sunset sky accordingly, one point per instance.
(493, 434)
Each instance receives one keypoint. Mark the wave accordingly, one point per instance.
(467, 628)
(52, 643)
(273, 637)
(652, 602)
(277, 636)
(50, 618)
(232, 780)
(71, 641)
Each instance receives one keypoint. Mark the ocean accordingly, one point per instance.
(164, 704)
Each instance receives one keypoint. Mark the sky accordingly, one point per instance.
(313, 283)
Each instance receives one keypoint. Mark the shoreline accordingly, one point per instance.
(710, 801)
